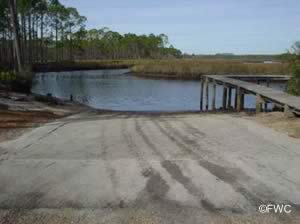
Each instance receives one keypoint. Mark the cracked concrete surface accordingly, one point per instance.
(130, 168)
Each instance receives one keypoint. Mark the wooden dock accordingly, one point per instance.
(264, 95)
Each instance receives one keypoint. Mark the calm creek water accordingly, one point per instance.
(118, 90)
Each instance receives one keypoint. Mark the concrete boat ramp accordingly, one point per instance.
(131, 168)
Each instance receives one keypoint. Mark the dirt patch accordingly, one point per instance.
(14, 123)
(131, 216)
(24, 119)
(280, 123)
(10, 134)
(21, 112)
(255, 219)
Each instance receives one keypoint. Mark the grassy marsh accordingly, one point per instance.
(173, 68)
(193, 69)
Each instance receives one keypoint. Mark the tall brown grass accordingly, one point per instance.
(188, 68)
(193, 69)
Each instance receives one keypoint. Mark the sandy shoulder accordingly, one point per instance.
(277, 121)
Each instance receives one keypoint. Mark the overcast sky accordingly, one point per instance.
(202, 26)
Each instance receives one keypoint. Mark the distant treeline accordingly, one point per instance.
(48, 31)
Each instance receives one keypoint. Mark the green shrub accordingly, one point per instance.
(294, 82)
(7, 76)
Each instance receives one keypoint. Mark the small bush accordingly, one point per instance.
(294, 82)
(9, 80)
(7, 76)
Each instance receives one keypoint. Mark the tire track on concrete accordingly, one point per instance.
(143, 163)
(103, 144)
(191, 129)
(18, 152)
(220, 172)
(147, 140)
(3, 155)
(44, 136)
(174, 139)
(228, 175)
(197, 133)
(156, 186)
(188, 142)
(175, 172)
(108, 166)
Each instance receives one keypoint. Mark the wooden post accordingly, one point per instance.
(229, 97)
(214, 96)
(235, 98)
(201, 94)
(266, 106)
(259, 101)
(242, 100)
(224, 96)
(238, 99)
(206, 94)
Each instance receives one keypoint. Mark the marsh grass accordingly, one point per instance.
(194, 69)
(174, 68)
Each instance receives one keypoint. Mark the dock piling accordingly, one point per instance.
(266, 106)
(206, 94)
(235, 99)
(259, 102)
(201, 94)
(224, 96)
(214, 96)
(242, 100)
(238, 99)
(229, 97)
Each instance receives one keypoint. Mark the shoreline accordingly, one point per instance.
(21, 112)
(73, 66)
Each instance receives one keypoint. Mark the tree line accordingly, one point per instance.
(106, 44)
(42, 31)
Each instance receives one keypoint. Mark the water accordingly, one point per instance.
(118, 90)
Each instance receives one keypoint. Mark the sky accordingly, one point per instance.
(202, 26)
